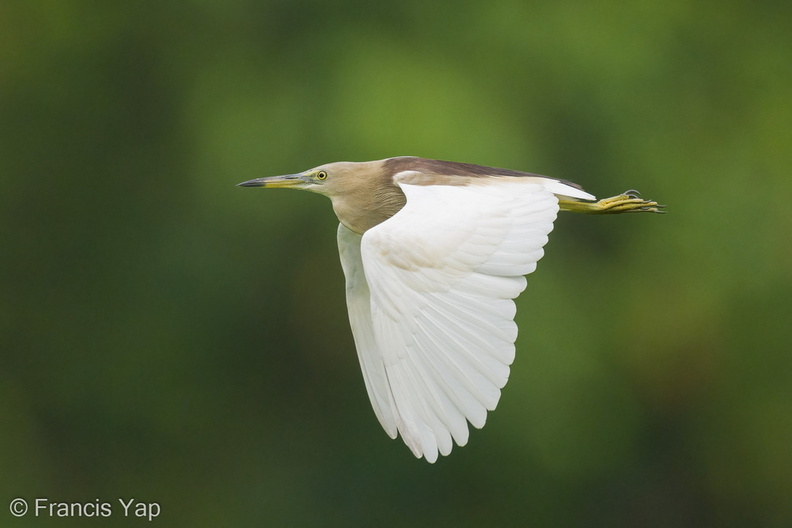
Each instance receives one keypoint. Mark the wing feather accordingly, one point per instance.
(359, 308)
(430, 294)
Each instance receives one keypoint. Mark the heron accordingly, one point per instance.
(434, 254)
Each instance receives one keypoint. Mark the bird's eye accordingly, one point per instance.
(321, 175)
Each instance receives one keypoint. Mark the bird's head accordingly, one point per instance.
(363, 193)
(330, 179)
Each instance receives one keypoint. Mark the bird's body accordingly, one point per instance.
(434, 253)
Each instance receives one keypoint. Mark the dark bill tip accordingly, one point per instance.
(258, 182)
(287, 180)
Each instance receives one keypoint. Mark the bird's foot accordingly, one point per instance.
(627, 202)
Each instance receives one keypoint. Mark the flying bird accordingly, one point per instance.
(434, 252)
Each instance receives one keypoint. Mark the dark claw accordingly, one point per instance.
(655, 208)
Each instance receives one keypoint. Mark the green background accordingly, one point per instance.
(171, 337)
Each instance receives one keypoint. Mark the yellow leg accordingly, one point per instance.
(628, 202)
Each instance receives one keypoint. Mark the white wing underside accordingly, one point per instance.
(429, 293)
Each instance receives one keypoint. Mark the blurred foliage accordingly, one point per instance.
(167, 336)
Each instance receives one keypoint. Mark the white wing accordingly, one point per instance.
(359, 307)
(430, 302)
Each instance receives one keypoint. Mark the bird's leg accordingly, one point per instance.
(628, 202)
